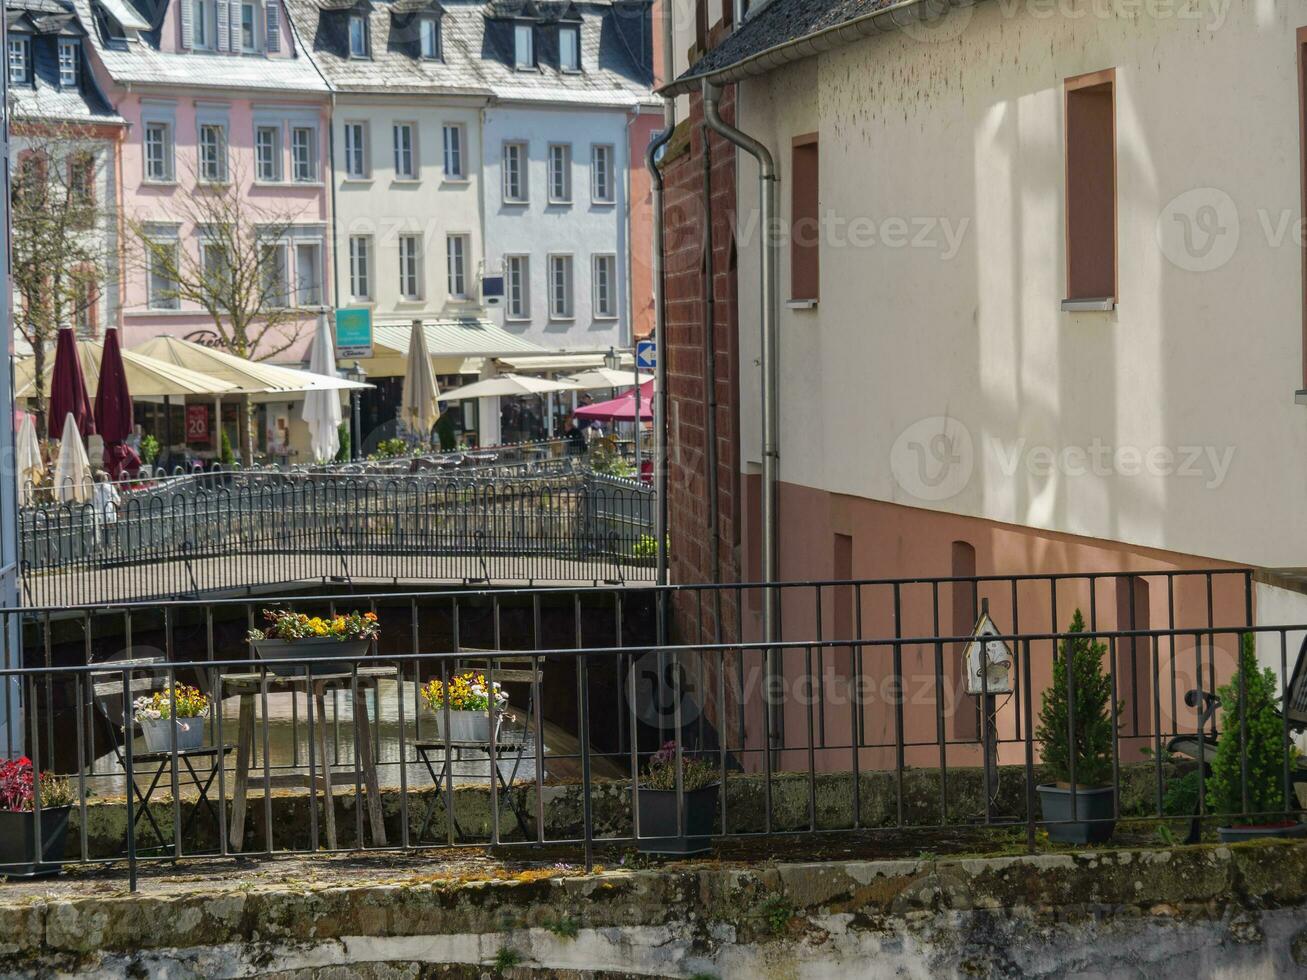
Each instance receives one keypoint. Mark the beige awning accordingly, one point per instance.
(508, 384)
(607, 378)
(245, 377)
(570, 362)
(146, 376)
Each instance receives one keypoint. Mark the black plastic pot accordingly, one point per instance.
(658, 833)
(1094, 807)
(316, 647)
(1233, 835)
(18, 857)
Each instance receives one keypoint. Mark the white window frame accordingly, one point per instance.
(358, 152)
(429, 30)
(280, 248)
(248, 43)
(200, 38)
(360, 267)
(515, 148)
(70, 71)
(560, 165)
(310, 176)
(606, 310)
(167, 157)
(363, 50)
(260, 174)
(410, 267)
(564, 263)
(217, 174)
(316, 299)
(170, 239)
(205, 248)
(574, 32)
(606, 152)
(20, 59)
(524, 47)
(517, 276)
(403, 138)
(456, 249)
(454, 150)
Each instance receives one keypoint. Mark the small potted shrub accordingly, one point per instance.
(154, 713)
(471, 704)
(1089, 744)
(700, 785)
(18, 831)
(291, 634)
(1262, 756)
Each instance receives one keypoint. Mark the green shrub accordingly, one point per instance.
(342, 438)
(149, 450)
(225, 454)
(1093, 723)
(1181, 799)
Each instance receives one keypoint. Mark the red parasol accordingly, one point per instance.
(620, 409)
(113, 402)
(68, 389)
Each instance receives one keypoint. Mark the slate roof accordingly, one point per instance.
(46, 21)
(477, 51)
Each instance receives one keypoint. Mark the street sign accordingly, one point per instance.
(353, 333)
(646, 355)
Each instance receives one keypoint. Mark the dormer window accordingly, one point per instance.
(358, 36)
(430, 33)
(247, 27)
(200, 20)
(68, 62)
(19, 61)
(569, 48)
(524, 55)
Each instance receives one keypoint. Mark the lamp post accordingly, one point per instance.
(356, 373)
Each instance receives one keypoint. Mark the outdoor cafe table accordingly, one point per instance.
(248, 686)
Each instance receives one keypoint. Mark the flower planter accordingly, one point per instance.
(18, 857)
(467, 726)
(1094, 806)
(658, 834)
(158, 733)
(314, 648)
(1289, 828)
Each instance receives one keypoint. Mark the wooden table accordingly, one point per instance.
(250, 685)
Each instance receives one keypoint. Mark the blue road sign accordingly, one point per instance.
(646, 355)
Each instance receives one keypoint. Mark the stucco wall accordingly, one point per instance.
(1168, 423)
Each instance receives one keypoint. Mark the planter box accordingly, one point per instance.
(18, 857)
(1233, 835)
(313, 648)
(158, 733)
(1093, 813)
(658, 820)
(466, 726)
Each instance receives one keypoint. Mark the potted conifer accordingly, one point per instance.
(19, 855)
(1251, 752)
(700, 784)
(1083, 737)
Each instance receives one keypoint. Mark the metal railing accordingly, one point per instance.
(877, 733)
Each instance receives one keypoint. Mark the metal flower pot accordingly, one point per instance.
(158, 737)
(1233, 835)
(317, 648)
(1094, 807)
(18, 857)
(658, 833)
(467, 726)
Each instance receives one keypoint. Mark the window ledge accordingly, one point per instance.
(602, 202)
(801, 304)
(553, 203)
(356, 180)
(516, 319)
(149, 182)
(1105, 304)
(1300, 397)
(455, 180)
(514, 203)
(411, 181)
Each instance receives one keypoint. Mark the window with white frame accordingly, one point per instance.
(560, 173)
(158, 151)
(456, 266)
(515, 186)
(453, 137)
(308, 273)
(267, 152)
(429, 29)
(601, 173)
(200, 23)
(358, 36)
(69, 62)
(356, 150)
(163, 253)
(516, 287)
(216, 264)
(604, 276)
(560, 287)
(524, 55)
(248, 27)
(569, 48)
(405, 156)
(273, 274)
(410, 266)
(19, 61)
(360, 266)
(213, 152)
(304, 153)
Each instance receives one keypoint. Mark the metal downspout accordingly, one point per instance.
(710, 387)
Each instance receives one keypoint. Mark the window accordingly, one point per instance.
(453, 152)
(560, 173)
(360, 266)
(85, 302)
(247, 27)
(303, 152)
(276, 287)
(1091, 189)
(308, 274)
(217, 265)
(560, 287)
(356, 155)
(162, 259)
(81, 189)
(267, 152)
(524, 55)
(430, 33)
(68, 62)
(405, 160)
(410, 258)
(456, 266)
(213, 153)
(200, 24)
(569, 48)
(601, 174)
(158, 151)
(516, 282)
(605, 287)
(515, 173)
(805, 229)
(358, 37)
(18, 61)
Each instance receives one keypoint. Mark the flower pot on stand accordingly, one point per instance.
(658, 823)
(316, 648)
(467, 726)
(18, 850)
(1287, 828)
(158, 733)
(1093, 817)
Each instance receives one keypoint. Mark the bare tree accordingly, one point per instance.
(62, 234)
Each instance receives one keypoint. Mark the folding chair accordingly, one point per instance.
(107, 694)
